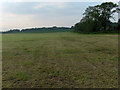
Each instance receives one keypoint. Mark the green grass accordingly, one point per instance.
(61, 59)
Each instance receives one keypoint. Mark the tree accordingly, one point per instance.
(97, 17)
(107, 11)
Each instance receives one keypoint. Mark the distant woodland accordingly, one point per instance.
(41, 30)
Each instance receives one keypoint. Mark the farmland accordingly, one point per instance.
(60, 59)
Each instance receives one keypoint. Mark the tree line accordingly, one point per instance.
(97, 19)
(43, 29)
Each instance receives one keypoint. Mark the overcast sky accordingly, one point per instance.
(18, 15)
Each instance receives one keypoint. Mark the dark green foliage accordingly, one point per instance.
(97, 19)
(119, 24)
(13, 31)
(41, 30)
(88, 26)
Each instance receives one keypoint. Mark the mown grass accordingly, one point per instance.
(61, 59)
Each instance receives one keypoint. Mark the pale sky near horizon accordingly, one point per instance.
(19, 15)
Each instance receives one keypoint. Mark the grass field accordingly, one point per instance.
(61, 59)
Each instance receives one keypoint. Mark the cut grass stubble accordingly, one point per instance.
(60, 60)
